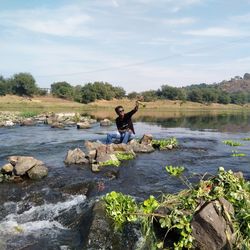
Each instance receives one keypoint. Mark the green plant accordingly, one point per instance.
(232, 143)
(4, 177)
(112, 162)
(236, 154)
(183, 205)
(246, 139)
(28, 114)
(165, 143)
(121, 208)
(124, 156)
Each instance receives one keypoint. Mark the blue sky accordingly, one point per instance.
(136, 44)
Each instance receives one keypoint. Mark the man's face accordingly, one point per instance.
(121, 112)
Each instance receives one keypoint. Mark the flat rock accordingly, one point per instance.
(105, 122)
(83, 125)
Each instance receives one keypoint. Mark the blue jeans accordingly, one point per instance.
(122, 137)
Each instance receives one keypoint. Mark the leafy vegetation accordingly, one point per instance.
(246, 139)
(236, 154)
(124, 156)
(4, 177)
(232, 143)
(112, 162)
(182, 206)
(165, 143)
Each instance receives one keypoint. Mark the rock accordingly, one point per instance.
(91, 121)
(25, 163)
(57, 125)
(27, 122)
(92, 155)
(103, 236)
(95, 167)
(146, 139)
(38, 172)
(210, 229)
(76, 156)
(141, 148)
(246, 77)
(92, 145)
(7, 168)
(239, 175)
(83, 125)
(102, 158)
(9, 124)
(69, 123)
(13, 160)
(105, 122)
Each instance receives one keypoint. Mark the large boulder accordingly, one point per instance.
(210, 227)
(105, 122)
(76, 156)
(38, 172)
(57, 125)
(28, 122)
(102, 235)
(25, 163)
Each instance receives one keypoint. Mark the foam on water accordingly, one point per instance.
(39, 218)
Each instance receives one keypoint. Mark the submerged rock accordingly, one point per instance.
(76, 156)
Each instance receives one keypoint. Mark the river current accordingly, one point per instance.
(54, 213)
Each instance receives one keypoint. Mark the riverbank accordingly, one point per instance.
(49, 103)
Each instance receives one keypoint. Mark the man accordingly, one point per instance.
(124, 125)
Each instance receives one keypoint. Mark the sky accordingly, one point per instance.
(136, 44)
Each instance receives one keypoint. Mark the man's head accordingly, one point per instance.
(119, 110)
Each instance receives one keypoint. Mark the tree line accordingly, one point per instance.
(24, 84)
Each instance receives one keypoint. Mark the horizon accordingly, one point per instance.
(135, 44)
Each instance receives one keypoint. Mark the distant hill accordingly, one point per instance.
(236, 84)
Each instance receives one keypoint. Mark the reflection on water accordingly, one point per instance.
(223, 122)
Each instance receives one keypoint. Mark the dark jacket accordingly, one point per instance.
(125, 122)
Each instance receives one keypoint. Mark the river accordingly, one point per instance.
(54, 213)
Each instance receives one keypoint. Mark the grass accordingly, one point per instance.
(103, 108)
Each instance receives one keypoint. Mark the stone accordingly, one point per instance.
(7, 168)
(210, 229)
(57, 125)
(146, 139)
(13, 159)
(38, 172)
(76, 156)
(105, 122)
(92, 145)
(83, 125)
(25, 163)
(102, 235)
(9, 124)
(91, 155)
(27, 122)
(141, 148)
(95, 167)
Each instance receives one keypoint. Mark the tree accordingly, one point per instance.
(209, 95)
(119, 92)
(224, 98)
(62, 90)
(2, 86)
(23, 84)
(195, 95)
(88, 93)
(132, 95)
(168, 92)
(149, 96)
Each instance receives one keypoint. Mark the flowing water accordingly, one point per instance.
(54, 213)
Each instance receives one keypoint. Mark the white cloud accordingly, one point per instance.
(215, 32)
(179, 21)
(65, 21)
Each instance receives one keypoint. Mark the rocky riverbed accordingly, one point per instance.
(56, 212)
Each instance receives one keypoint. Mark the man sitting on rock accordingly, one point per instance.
(124, 125)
